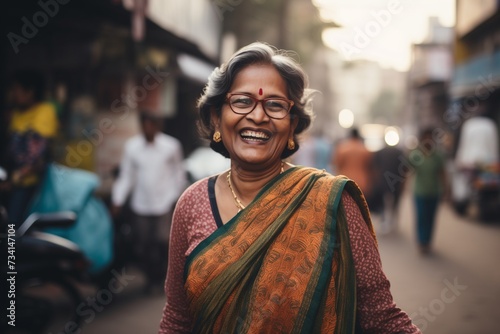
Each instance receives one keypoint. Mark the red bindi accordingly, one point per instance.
(260, 91)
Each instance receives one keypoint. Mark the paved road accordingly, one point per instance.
(130, 311)
(455, 290)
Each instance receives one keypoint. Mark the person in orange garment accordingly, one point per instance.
(353, 160)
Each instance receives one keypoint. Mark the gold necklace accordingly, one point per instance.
(237, 201)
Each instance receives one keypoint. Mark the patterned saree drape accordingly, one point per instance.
(282, 265)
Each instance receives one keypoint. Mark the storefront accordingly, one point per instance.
(103, 63)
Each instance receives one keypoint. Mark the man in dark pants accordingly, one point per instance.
(387, 187)
(152, 171)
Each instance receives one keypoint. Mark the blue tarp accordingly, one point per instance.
(70, 189)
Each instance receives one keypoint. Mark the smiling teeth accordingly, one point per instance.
(254, 134)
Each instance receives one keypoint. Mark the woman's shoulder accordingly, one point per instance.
(196, 191)
(193, 209)
(191, 199)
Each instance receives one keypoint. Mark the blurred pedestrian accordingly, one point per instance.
(315, 151)
(429, 186)
(33, 125)
(388, 185)
(151, 170)
(354, 160)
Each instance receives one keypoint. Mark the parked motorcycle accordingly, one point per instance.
(42, 271)
(478, 186)
(487, 186)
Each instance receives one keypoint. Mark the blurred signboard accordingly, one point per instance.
(433, 63)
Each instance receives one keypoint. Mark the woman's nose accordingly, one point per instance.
(258, 115)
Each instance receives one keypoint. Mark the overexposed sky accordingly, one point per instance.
(381, 30)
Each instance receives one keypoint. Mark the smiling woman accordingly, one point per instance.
(255, 134)
(287, 75)
(268, 247)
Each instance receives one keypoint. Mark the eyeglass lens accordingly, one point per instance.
(274, 107)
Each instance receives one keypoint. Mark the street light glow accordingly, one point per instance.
(346, 118)
(391, 136)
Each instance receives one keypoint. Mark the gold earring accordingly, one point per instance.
(217, 137)
(291, 144)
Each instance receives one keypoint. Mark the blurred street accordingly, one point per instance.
(132, 312)
(453, 290)
(464, 256)
(101, 103)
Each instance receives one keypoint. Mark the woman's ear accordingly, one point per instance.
(294, 121)
(214, 118)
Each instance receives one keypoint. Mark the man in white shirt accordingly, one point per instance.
(478, 143)
(151, 170)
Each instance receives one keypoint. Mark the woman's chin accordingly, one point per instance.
(256, 157)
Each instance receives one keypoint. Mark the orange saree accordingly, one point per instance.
(282, 265)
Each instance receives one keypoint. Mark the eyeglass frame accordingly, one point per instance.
(261, 102)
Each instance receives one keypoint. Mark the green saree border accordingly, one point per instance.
(310, 321)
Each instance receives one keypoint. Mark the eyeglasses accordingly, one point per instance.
(274, 107)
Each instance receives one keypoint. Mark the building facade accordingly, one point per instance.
(429, 77)
(475, 86)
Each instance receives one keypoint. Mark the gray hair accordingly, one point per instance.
(222, 78)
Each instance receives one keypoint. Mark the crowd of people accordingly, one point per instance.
(151, 177)
(383, 175)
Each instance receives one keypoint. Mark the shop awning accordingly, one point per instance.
(194, 68)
